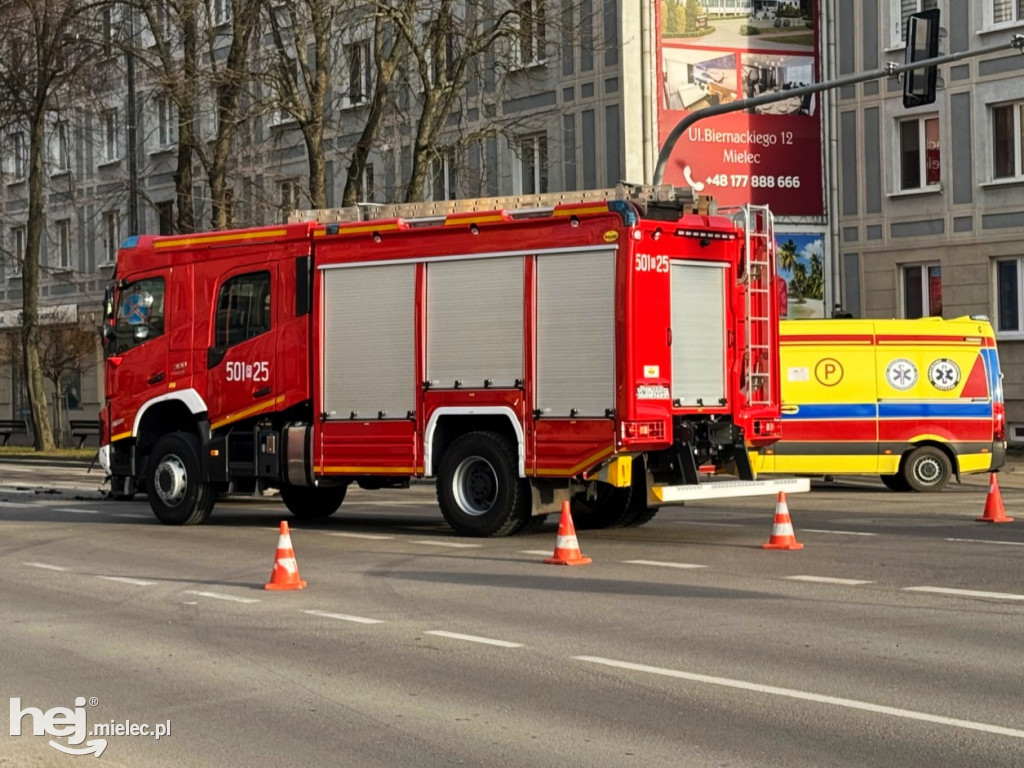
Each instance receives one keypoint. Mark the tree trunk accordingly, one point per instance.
(42, 433)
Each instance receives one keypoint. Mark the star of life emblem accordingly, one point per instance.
(944, 374)
(901, 374)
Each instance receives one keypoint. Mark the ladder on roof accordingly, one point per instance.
(640, 194)
(759, 273)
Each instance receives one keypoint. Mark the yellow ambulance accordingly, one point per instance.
(914, 401)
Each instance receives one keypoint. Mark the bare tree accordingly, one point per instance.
(65, 349)
(46, 50)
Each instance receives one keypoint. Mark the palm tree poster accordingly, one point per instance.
(801, 261)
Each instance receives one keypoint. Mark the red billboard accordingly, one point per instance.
(720, 51)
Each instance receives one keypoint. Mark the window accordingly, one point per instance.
(290, 83)
(367, 183)
(922, 291)
(357, 55)
(1009, 290)
(166, 123)
(530, 174)
(290, 195)
(919, 165)
(899, 10)
(59, 148)
(140, 313)
(111, 235)
(16, 164)
(220, 11)
(160, 24)
(71, 389)
(1008, 141)
(1007, 11)
(165, 214)
(63, 227)
(528, 41)
(16, 255)
(443, 180)
(243, 309)
(109, 127)
(440, 60)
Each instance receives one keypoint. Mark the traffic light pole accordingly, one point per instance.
(891, 70)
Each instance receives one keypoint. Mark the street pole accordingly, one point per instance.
(130, 120)
(891, 70)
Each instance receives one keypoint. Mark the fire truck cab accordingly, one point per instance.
(616, 349)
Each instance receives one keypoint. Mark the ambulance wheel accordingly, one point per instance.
(927, 469)
(313, 503)
(176, 494)
(895, 482)
(478, 486)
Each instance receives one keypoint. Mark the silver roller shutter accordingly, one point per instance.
(576, 333)
(475, 322)
(698, 333)
(368, 335)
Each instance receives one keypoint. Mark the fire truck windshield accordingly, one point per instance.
(133, 314)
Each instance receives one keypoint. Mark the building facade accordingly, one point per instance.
(922, 210)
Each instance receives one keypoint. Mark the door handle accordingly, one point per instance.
(262, 392)
(156, 378)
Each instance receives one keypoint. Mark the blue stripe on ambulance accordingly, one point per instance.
(995, 376)
(954, 409)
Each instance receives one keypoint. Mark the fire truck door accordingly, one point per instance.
(241, 369)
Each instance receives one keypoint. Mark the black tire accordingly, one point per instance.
(895, 482)
(610, 508)
(531, 524)
(308, 503)
(175, 491)
(478, 486)
(927, 469)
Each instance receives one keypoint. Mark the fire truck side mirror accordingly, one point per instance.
(922, 44)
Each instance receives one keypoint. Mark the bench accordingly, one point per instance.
(83, 429)
(10, 427)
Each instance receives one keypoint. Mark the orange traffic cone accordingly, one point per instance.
(567, 549)
(994, 510)
(286, 571)
(782, 530)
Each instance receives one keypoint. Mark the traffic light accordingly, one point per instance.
(922, 44)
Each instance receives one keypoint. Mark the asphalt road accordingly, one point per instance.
(892, 639)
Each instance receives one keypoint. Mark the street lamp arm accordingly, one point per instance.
(1017, 42)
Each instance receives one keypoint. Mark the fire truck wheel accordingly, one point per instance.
(478, 486)
(927, 469)
(532, 524)
(609, 509)
(175, 492)
(313, 503)
(895, 482)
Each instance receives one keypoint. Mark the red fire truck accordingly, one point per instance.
(617, 349)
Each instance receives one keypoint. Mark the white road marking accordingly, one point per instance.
(219, 596)
(838, 533)
(24, 491)
(829, 580)
(544, 552)
(791, 693)
(662, 564)
(74, 511)
(474, 639)
(126, 580)
(388, 503)
(344, 617)
(983, 541)
(11, 504)
(452, 544)
(965, 592)
(375, 536)
(131, 515)
(46, 566)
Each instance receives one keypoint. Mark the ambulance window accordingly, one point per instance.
(243, 309)
(140, 313)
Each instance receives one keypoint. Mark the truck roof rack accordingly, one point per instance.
(656, 201)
